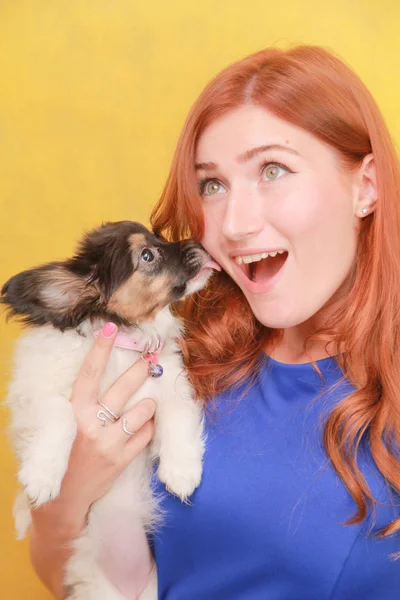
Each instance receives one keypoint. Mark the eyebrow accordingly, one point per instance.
(246, 156)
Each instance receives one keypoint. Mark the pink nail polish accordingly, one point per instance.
(108, 330)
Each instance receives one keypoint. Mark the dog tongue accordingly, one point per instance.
(211, 264)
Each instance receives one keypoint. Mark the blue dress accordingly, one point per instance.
(266, 522)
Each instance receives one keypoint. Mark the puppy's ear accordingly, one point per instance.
(50, 293)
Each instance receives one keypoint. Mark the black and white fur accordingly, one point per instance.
(64, 303)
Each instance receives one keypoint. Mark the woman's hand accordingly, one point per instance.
(99, 454)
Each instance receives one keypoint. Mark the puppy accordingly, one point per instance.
(123, 273)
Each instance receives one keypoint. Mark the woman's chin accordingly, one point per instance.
(277, 317)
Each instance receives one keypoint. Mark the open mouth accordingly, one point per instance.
(262, 268)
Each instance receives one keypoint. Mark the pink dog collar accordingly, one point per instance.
(148, 351)
(128, 342)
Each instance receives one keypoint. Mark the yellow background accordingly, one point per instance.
(93, 94)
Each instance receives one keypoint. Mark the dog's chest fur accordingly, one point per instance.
(43, 427)
(47, 362)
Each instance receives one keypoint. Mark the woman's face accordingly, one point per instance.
(268, 186)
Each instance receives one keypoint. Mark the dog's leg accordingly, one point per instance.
(112, 559)
(22, 515)
(83, 577)
(43, 447)
(178, 437)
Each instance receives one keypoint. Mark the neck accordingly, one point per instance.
(288, 345)
(290, 350)
(165, 327)
(160, 325)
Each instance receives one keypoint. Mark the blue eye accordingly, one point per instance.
(210, 187)
(273, 170)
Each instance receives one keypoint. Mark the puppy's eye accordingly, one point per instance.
(147, 255)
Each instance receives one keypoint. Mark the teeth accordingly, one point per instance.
(249, 258)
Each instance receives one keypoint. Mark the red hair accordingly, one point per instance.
(312, 89)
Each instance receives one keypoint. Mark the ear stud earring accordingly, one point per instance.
(364, 211)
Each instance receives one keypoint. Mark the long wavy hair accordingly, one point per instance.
(312, 89)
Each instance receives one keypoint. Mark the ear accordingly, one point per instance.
(47, 294)
(365, 188)
(104, 258)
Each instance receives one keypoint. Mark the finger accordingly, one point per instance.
(87, 383)
(133, 419)
(137, 443)
(125, 386)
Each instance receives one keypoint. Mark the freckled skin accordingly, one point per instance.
(308, 209)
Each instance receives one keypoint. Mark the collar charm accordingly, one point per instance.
(155, 370)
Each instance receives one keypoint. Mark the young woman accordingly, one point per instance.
(286, 173)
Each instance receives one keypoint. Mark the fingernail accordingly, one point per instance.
(108, 330)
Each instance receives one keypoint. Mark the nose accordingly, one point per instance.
(242, 218)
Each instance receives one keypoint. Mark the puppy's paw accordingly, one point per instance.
(181, 475)
(39, 487)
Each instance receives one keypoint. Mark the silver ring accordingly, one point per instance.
(114, 416)
(124, 427)
(107, 415)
